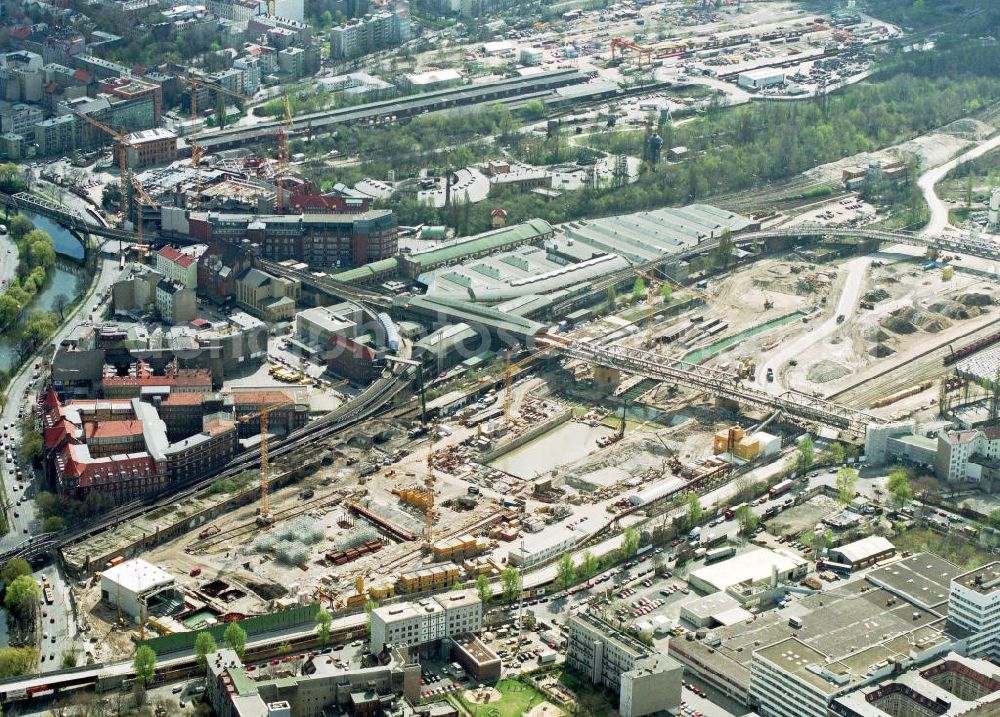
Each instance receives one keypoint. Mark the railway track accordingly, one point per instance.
(926, 365)
(366, 405)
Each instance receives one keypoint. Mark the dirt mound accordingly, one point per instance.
(936, 325)
(874, 333)
(881, 351)
(876, 295)
(968, 128)
(826, 370)
(974, 299)
(898, 325)
(950, 309)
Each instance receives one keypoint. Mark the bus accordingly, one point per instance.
(714, 556)
(731, 511)
(781, 488)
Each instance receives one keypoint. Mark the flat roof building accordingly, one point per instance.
(139, 589)
(646, 681)
(974, 605)
(426, 621)
(864, 552)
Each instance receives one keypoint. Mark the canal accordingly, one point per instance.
(68, 277)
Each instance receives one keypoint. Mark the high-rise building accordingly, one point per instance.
(646, 681)
(974, 605)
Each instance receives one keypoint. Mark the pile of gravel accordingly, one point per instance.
(881, 351)
(825, 371)
(974, 299)
(874, 333)
(898, 325)
(936, 325)
(950, 309)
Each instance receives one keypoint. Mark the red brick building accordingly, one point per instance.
(352, 360)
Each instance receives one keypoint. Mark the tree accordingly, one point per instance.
(747, 520)
(667, 292)
(695, 511)
(899, 486)
(994, 518)
(17, 661)
(59, 304)
(456, 586)
(18, 227)
(204, 645)
(53, 524)
(565, 571)
(235, 638)
(510, 579)
(589, 564)
(638, 289)
(847, 478)
(220, 110)
(22, 596)
(31, 447)
(834, 453)
(14, 569)
(630, 542)
(484, 589)
(806, 455)
(144, 664)
(724, 252)
(323, 621)
(612, 298)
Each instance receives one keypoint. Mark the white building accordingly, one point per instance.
(760, 78)
(645, 680)
(418, 623)
(974, 604)
(749, 568)
(968, 455)
(138, 589)
(180, 265)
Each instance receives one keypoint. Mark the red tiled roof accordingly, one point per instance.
(182, 377)
(260, 397)
(91, 470)
(113, 429)
(177, 257)
(183, 399)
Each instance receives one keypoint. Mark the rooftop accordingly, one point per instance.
(865, 548)
(753, 565)
(984, 580)
(924, 579)
(481, 243)
(138, 576)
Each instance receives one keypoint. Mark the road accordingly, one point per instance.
(8, 259)
(938, 222)
(857, 270)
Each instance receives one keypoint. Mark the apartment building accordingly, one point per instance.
(150, 147)
(646, 681)
(368, 34)
(180, 265)
(426, 621)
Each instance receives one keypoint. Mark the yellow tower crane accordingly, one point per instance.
(284, 131)
(270, 7)
(265, 509)
(429, 483)
(141, 197)
(123, 146)
(649, 300)
(197, 152)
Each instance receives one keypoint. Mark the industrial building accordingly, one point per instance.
(794, 662)
(139, 590)
(426, 621)
(645, 680)
(481, 245)
(863, 553)
(761, 78)
(751, 575)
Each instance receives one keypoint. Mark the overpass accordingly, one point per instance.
(722, 385)
(366, 297)
(34, 547)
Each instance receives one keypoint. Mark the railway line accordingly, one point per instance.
(923, 366)
(369, 403)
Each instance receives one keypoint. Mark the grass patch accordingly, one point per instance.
(518, 699)
(964, 554)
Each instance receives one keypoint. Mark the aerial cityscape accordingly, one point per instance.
(500, 358)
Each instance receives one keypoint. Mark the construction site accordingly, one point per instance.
(554, 453)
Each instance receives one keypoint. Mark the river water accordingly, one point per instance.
(67, 277)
